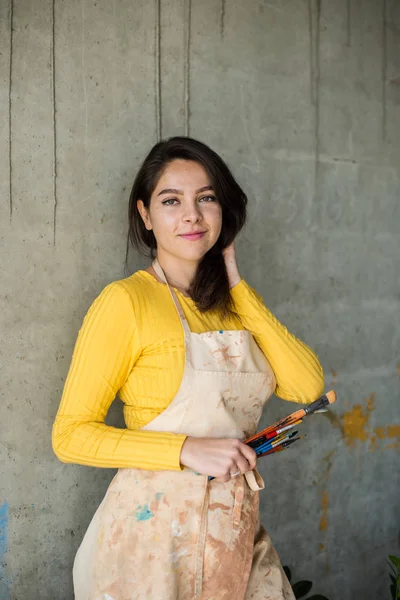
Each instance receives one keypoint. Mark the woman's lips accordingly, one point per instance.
(192, 237)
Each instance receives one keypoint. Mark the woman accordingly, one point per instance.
(194, 355)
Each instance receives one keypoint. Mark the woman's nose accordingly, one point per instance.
(192, 214)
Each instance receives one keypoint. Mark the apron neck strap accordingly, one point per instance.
(157, 268)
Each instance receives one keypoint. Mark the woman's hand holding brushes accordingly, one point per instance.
(278, 436)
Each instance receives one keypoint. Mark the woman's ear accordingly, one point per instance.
(144, 213)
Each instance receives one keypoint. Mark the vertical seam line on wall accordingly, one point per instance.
(157, 58)
(314, 33)
(317, 83)
(53, 82)
(83, 78)
(223, 4)
(312, 51)
(11, 21)
(349, 23)
(384, 67)
(188, 19)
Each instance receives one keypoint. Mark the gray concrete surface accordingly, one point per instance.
(303, 100)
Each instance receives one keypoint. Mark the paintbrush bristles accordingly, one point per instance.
(331, 395)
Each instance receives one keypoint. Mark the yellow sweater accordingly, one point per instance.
(131, 343)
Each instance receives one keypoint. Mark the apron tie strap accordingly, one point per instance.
(254, 480)
(157, 268)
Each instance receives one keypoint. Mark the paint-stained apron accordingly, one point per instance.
(175, 535)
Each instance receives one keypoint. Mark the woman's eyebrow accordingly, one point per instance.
(204, 189)
(170, 191)
(174, 191)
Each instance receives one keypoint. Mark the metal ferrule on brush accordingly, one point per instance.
(320, 403)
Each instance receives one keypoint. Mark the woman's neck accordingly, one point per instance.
(179, 273)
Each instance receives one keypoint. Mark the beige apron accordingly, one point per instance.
(175, 535)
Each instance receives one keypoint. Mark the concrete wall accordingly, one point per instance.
(302, 99)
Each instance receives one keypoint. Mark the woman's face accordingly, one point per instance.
(184, 214)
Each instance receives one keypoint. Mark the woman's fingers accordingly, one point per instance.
(224, 478)
(250, 455)
(242, 465)
(219, 458)
(244, 460)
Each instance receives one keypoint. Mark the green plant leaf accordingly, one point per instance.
(301, 588)
(395, 560)
(317, 597)
(287, 572)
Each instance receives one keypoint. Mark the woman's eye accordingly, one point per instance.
(170, 201)
(207, 199)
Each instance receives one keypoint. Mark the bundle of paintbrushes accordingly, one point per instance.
(279, 436)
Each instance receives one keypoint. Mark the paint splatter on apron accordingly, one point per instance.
(167, 535)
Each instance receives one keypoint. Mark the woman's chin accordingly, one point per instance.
(193, 251)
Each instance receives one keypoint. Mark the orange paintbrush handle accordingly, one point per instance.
(328, 398)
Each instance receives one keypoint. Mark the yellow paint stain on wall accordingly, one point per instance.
(374, 443)
(355, 422)
(328, 460)
(380, 432)
(323, 524)
(370, 402)
(325, 470)
(393, 431)
(355, 427)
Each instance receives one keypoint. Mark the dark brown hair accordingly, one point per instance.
(210, 287)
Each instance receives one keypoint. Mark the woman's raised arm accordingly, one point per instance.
(298, 372)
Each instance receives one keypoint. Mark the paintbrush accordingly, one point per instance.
(274, 438)
(275, 442)
(292, 419)
(281, 447)
(262, 438)
(321, 403)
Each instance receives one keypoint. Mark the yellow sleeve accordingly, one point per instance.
(105, 352)
(298, 372)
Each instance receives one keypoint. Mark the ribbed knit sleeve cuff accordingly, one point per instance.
(241, 293)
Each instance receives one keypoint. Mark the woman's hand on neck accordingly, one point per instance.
(231, 265)
(180, 273)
